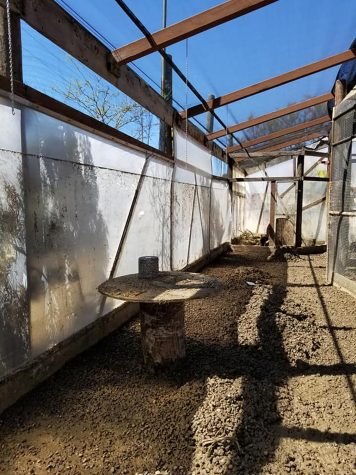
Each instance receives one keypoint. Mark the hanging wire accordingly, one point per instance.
(8, 17)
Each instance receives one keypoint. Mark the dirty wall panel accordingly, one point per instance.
(149, 232)
(14, 315)
(257, 204)
(314, 224)
(78, 202)
(238, 211)
(74, 224)
(191, 200)
(183, 197)
(191, 152)
(238, 203)
(50, 137)
(191, 213)
(199, 243)
(78, 188)
(220, 222)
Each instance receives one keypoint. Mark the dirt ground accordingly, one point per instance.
(268, 386)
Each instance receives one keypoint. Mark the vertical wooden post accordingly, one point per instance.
(230, 161)
(340, 92)
(272, 214)
(210, 117)
(165, 132)
(299, 214)
(210, 127)
(16, 45)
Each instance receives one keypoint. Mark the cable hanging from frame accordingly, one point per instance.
(11, 65)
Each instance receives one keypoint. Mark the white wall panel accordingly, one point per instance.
(79, 189)
(190, 151)
(14, 314)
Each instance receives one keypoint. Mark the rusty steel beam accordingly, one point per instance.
(280, 133)
(271, 83)
(295, 141)
(270, 116)
(189, 27)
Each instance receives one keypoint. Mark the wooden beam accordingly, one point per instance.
(258, 179)
(278, 153)
(185, 29)
(46, 104)
(271, 83)
(295, 141)
(238, 156)
(210, 117)
(272, 214)
(165, 131)
(315, 178)
(53, 22)
(299, 211)
(280, 133)
(340, 92)
(314, 203)
(272, 115)
(277, 178)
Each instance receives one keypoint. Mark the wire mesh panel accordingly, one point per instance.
(342, 214)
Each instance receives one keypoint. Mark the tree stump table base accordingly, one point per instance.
(161, 296)
(162, 333)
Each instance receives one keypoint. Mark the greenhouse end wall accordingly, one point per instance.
(65, 195)
(258, 199)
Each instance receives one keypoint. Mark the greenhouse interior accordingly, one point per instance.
(178, 237)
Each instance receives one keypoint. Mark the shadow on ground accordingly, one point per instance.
(103, 413)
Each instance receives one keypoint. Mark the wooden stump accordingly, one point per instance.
(284, 232)
(162, 333)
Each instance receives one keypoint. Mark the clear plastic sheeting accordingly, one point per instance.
(258, 198)
(190, 152)
(14, 316)
(220, 219)
(238, 204)
(195, 196)
(257, 206)
(65, 198)
(314, 219)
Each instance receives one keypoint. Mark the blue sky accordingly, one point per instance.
(275, 39)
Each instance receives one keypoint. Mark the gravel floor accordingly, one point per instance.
(268, 386)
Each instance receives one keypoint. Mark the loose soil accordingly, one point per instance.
(268, 387)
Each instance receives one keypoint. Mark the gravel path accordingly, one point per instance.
(268, 387)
